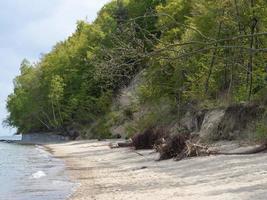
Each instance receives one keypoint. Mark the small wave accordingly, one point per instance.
(43, 151)
(38, 175)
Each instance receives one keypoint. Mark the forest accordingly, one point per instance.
(208, 53)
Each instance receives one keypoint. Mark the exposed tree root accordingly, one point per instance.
(171, 146)
(192, 150)
(148, 138)
(178, 146)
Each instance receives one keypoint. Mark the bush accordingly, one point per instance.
(128, 113)
(261, 131)
(100, 130)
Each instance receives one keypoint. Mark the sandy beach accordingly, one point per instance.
(103, 173)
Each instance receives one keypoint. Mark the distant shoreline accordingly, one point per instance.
(36, 139)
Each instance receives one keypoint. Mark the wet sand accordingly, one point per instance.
(124, 174)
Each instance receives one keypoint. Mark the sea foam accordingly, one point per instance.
(38, 175)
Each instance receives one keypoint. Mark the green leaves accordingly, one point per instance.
(186, 49)
(56, 89)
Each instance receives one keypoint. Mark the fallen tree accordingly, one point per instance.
(254, 150)
(179, 146)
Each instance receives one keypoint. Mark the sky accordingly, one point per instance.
(29, 28)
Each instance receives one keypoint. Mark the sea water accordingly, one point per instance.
(31, 173)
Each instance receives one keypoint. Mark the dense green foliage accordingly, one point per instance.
(188, 50)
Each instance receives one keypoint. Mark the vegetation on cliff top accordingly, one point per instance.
(209, 51)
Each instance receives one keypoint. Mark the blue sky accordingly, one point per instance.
(29, 28)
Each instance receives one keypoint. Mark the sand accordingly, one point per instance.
(124, 174)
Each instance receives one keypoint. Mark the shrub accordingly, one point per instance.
(128, 113)
(261, 131)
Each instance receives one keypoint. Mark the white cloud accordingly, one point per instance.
(60, 23)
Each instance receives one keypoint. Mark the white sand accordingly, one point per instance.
(122, 174)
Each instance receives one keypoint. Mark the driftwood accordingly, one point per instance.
(121, 144)
(255, 150)
(179, 146)
(125, 144)
(193, 150)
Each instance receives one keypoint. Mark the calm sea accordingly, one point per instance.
(30, 173)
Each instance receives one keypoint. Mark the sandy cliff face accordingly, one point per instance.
(126, 98)
(224, 123)
(233, 122)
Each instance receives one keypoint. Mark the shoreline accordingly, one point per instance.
(31, 172)
(71, 176)
(81, 172)
(120, 174)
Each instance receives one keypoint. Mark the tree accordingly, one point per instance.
(187, 50)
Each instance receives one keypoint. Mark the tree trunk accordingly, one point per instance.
(250, 62)
(212, 60)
